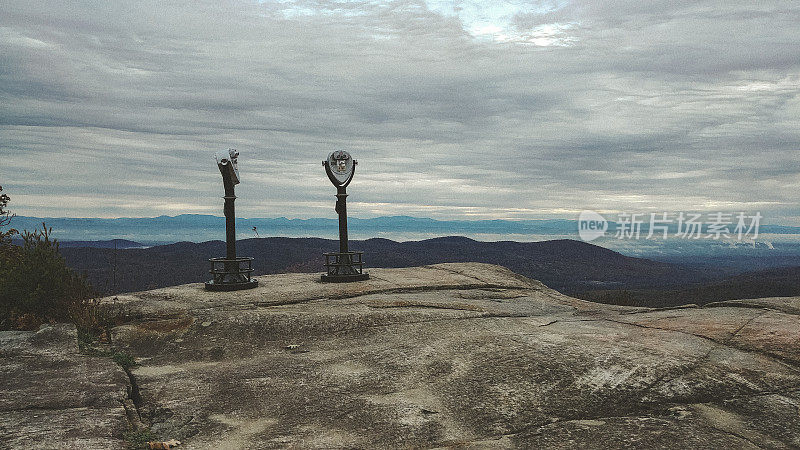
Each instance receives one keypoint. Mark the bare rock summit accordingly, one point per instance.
(451, 355)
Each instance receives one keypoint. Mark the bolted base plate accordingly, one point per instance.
(344, 278)
(211, 286)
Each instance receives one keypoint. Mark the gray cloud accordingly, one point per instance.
(115, 108)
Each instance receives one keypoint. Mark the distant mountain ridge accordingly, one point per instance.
(566, 265)
(775, 282)
(573, 267)
(202, 227)
(729, 257)
(111, 243)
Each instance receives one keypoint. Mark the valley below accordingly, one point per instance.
(571, 267)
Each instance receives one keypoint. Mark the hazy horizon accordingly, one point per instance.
(202, 227)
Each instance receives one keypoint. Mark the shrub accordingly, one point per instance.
(36, 286)
(138, 438)
(125, 360)
(8, 252)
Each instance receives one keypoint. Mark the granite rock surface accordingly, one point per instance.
(52, 396)
(451, 355)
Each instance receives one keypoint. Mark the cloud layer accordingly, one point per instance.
(516, 109)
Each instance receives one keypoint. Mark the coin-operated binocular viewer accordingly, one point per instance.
(343, 265)
(230, 273)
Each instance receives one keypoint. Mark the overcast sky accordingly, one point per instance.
(466, 109)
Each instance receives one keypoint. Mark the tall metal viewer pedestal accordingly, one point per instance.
(230, 273)
(344, 265)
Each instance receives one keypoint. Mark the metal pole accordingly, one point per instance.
(115, 268)
(341, 208)
(232, 277)
(230, 220)
(341, 266)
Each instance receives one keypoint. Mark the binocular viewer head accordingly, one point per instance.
(228, 163)
(340, 167)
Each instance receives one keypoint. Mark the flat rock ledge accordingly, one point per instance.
(51, 396)
(451, 355)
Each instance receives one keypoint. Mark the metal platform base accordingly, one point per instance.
(211, 286)
(344, 267)
(344, 278)
(231, 274)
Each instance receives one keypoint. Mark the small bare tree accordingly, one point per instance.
(5, 216)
